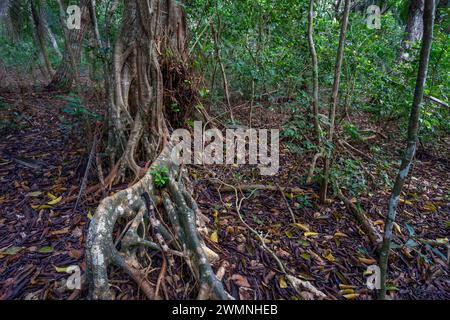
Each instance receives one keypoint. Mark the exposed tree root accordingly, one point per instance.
(181, 218)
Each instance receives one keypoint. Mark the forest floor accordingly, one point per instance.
(42, 159)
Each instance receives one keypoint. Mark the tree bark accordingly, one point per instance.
(67, 70)
(150, 72)
(428, 19)
(40, 36)
(414, 28)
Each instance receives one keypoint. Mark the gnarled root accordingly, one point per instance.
(177, 228)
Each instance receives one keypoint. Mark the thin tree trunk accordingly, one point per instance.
(428, 19)
(315, 76)
(40, 35)
(334, 101)
(218, 52)
(51, 36)
(315, 97)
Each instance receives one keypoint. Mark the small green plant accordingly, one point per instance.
(76, 109)
(160, 176)
(175, 107)
(352, 131)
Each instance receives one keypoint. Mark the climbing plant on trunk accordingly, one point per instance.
(150, 74)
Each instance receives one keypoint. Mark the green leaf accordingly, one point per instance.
(11, 251)
(47, 249)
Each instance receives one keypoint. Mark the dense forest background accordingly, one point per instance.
(359, 91)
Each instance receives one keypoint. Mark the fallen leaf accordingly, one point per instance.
(302, 227)
(351, 296)
(10, 251)
(367, 261)
(55, 201)
(34, 194)
(59, 232)
(282, 282)
(340, 234)
(310, 234)
(346, 286)
(240, 281)
(397, 228)
(430, 207)
(347, 291)
(61, 269)
(51, 196)
(214, 237)
(47, 249)
(329, 256)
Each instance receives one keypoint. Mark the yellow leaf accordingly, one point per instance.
(340, 234)
(214, 237)
(61, 269)
(301, 227)
(401, 200)
(43, 206)
(289, 195)
(367, 261)
(351, 296)
(397, 228)
(346, 286)
(89, 215)
(310, 234)
(442, 240)
(329, 256)
(51, 196)
(283, 283)
(378, 222)
(347, 291)
(430, 207)
(55, 201)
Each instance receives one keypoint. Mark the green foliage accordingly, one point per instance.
(78, 110)
(350, 175)
(352, 131)
(160, 176)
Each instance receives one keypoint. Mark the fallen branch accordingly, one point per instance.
(287, 204)
(437, 101)
(86, 172)
(252, 187)
(295, 282)
(360, 216)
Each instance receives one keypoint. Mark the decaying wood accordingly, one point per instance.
(367, 225)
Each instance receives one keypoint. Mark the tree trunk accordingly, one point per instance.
(315, 97)
(414, 28)
(150, 72)
(40, 36)
(334, 102)
(428, 19)
(51, 36)
(68, 69)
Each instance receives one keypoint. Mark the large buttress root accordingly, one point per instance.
(180, 215)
